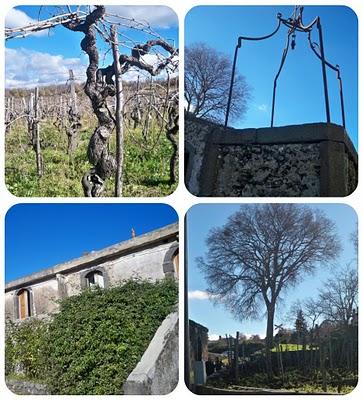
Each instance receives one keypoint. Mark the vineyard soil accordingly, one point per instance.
(146, 163)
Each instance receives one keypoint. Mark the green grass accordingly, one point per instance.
(290, 347)
(295, 381)
(146, 164)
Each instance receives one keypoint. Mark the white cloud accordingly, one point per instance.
(16, 18)
(200, 295)
(156, 16)
(262, 107)
(28, 68)
(213, 336)
(151, 59)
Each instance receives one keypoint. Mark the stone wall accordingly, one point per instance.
(300, 160)
(26, 388)
(147, 256)
(157, 372)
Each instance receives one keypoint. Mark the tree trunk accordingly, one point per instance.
(98, 88)
(172, 130)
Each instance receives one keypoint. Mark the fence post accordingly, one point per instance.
(35, 134)
(118, 114)
(73, 92)
(73, 125)
(236, 357)
(322, 364)
(8, 115)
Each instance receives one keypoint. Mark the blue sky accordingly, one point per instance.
(299, 96)
(201, 218)
(38, 236)
(44, 58)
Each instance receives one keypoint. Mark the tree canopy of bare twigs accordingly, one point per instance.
(261, 251)
(338, 299)
(207, 81)
(311, 310)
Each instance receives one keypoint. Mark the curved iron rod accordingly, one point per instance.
(238, 46)
(312, 23)
(339, 78)
(231, 85)
(240, 38)
(312, 45)
(301, 27)
(284, 55)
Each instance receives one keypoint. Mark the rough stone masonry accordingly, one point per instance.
(308, 160)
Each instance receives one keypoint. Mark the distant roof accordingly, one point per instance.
(111, 252)
(199, 326)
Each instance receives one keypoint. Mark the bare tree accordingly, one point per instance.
(311, 309)
(354, 241)
(339, 297)
(207, 81)
(263, 250)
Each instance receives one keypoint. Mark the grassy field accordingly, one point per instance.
(290, 347)
(146, 163)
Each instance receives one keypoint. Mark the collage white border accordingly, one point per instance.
(181, 200)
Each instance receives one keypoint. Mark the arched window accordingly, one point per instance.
(94, 279)
(176, 263)
(171, 261)
(24, 304)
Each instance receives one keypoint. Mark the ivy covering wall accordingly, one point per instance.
(94, 342)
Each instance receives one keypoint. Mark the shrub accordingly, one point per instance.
(24, 345)
(99, 336)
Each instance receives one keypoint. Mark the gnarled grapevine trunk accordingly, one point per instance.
(99, 87)
(172, 129)
(97, 91)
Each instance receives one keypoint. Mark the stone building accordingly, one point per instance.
(198, 354)
(299, 160)
(153, 256)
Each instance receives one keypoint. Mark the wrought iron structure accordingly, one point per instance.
(294, 24)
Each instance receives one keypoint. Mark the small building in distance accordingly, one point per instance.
(153, 256)
(198, 355)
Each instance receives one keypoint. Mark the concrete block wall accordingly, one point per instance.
(157, 372)
(308, 160)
